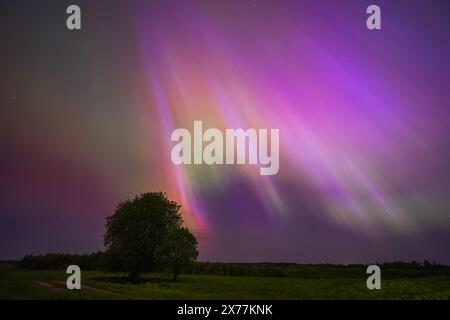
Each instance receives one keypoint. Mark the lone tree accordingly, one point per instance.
(144, 231)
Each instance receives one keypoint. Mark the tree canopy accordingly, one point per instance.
(146, 233)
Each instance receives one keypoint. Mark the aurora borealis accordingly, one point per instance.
(364, 119)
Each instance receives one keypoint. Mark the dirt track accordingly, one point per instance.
(61, 285)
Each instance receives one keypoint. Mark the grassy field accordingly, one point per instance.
(317, 284)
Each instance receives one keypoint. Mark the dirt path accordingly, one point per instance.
(61, 285)
(47, 285)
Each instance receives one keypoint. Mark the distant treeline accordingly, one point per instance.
(101, 261)
(314, 270)
(92, 261)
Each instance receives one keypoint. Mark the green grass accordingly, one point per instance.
(316, 284)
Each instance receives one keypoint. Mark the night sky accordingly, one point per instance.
(364, 118)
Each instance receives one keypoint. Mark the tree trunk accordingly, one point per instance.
(175, 274)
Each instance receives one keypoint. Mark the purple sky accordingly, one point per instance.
(364, 120)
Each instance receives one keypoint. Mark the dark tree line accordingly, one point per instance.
(93, 261)
(98, 261)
